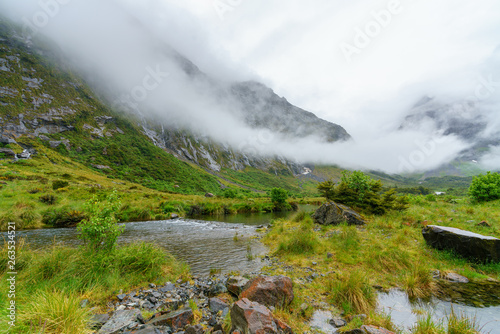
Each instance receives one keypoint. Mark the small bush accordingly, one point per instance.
(101, 230)
(279, 197)
(48, 199)
(59, 184)
(485, 188)
(34, 191)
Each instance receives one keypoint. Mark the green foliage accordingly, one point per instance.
(48, 199)
(101, 230)
(485, 188)
(63, 217)
(59, 184)
(358, 190)
(301, 241)
(278, 196)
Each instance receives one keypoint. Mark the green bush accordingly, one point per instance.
(59, 184)
(101, 230)
(485, 188)
(358, 190)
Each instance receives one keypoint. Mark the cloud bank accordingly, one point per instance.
(362, 64)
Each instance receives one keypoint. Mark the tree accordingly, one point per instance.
(279, 197)
(101, 230)
(485, 187)
(359, 190)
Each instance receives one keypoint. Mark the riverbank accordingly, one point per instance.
(342, 268)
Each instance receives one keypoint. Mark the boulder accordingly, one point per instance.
(473, 246)
(251, 318)
(236, 284)
(7, 140)
(274, 291)
(176, 320)
(120, 320)
(8, 152)
(209, 195)
(334, 214)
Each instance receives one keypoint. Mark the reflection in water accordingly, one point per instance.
(203, 245)
(404, 314)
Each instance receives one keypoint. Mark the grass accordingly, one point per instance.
(54, 282)
(388, 252)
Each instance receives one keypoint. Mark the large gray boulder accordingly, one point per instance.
(473, 246)
(334, 214)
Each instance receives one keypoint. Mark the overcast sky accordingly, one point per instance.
(359, 63)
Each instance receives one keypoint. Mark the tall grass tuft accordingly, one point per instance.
(418, 283)
(425, 325)
(353, 292)
(461, 324)
(300, 241)
(55, 312)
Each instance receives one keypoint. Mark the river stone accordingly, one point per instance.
(473, 246)
(269, 290)
(98, 320)
(217, 305)
(456, 278)
(176, 320)
(252, 318)
(236, 284)
(120, 320)
(334, 214)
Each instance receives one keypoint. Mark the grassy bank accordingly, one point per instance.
(343, 265)
(36, 193)
(51, 284)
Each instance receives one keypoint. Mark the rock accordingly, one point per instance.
(197, 329)
(100, 166)
(456, 278)
(252, 318)
(236, 284)
(217, 305)
(209, 195)
(6, 140)
(269, 290)
(121, 297)
(355, 331)
(283, 327)
(176, 320)
(368, 329)
(150, 330)
(98, 320)
(337, 322)
(334, 214)
(174, 216)
(120, 320)
(7, 152)
(167, 288)
(473, 246)
(329, 255)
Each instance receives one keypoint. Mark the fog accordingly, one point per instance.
(362, 64)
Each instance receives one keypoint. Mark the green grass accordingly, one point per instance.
(54, 281)
(353, 292)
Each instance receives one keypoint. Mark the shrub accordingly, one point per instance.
(63, 217)
(278, 196)
(485, 187)
(48, 199)
(358, 190)
(59, 184)
(101, 230)
(230, 193)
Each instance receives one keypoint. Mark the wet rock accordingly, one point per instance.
(251, 317)
(456, 278)
(120, 320)
(176, 320)
(174, 216)
(217, 305)
(337, 322)
(473, 246)
(368, 329)
(197, 329)
(236, 284)
(334, 214)
(269, 290)
(98, 320)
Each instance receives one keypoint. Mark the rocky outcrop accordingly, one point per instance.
(236, 284)
(120, 320)
(253, 318)
(274, 291)
(334, 214)
(476, 247)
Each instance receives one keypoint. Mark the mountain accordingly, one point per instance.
(47, 107)
(463, 119)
